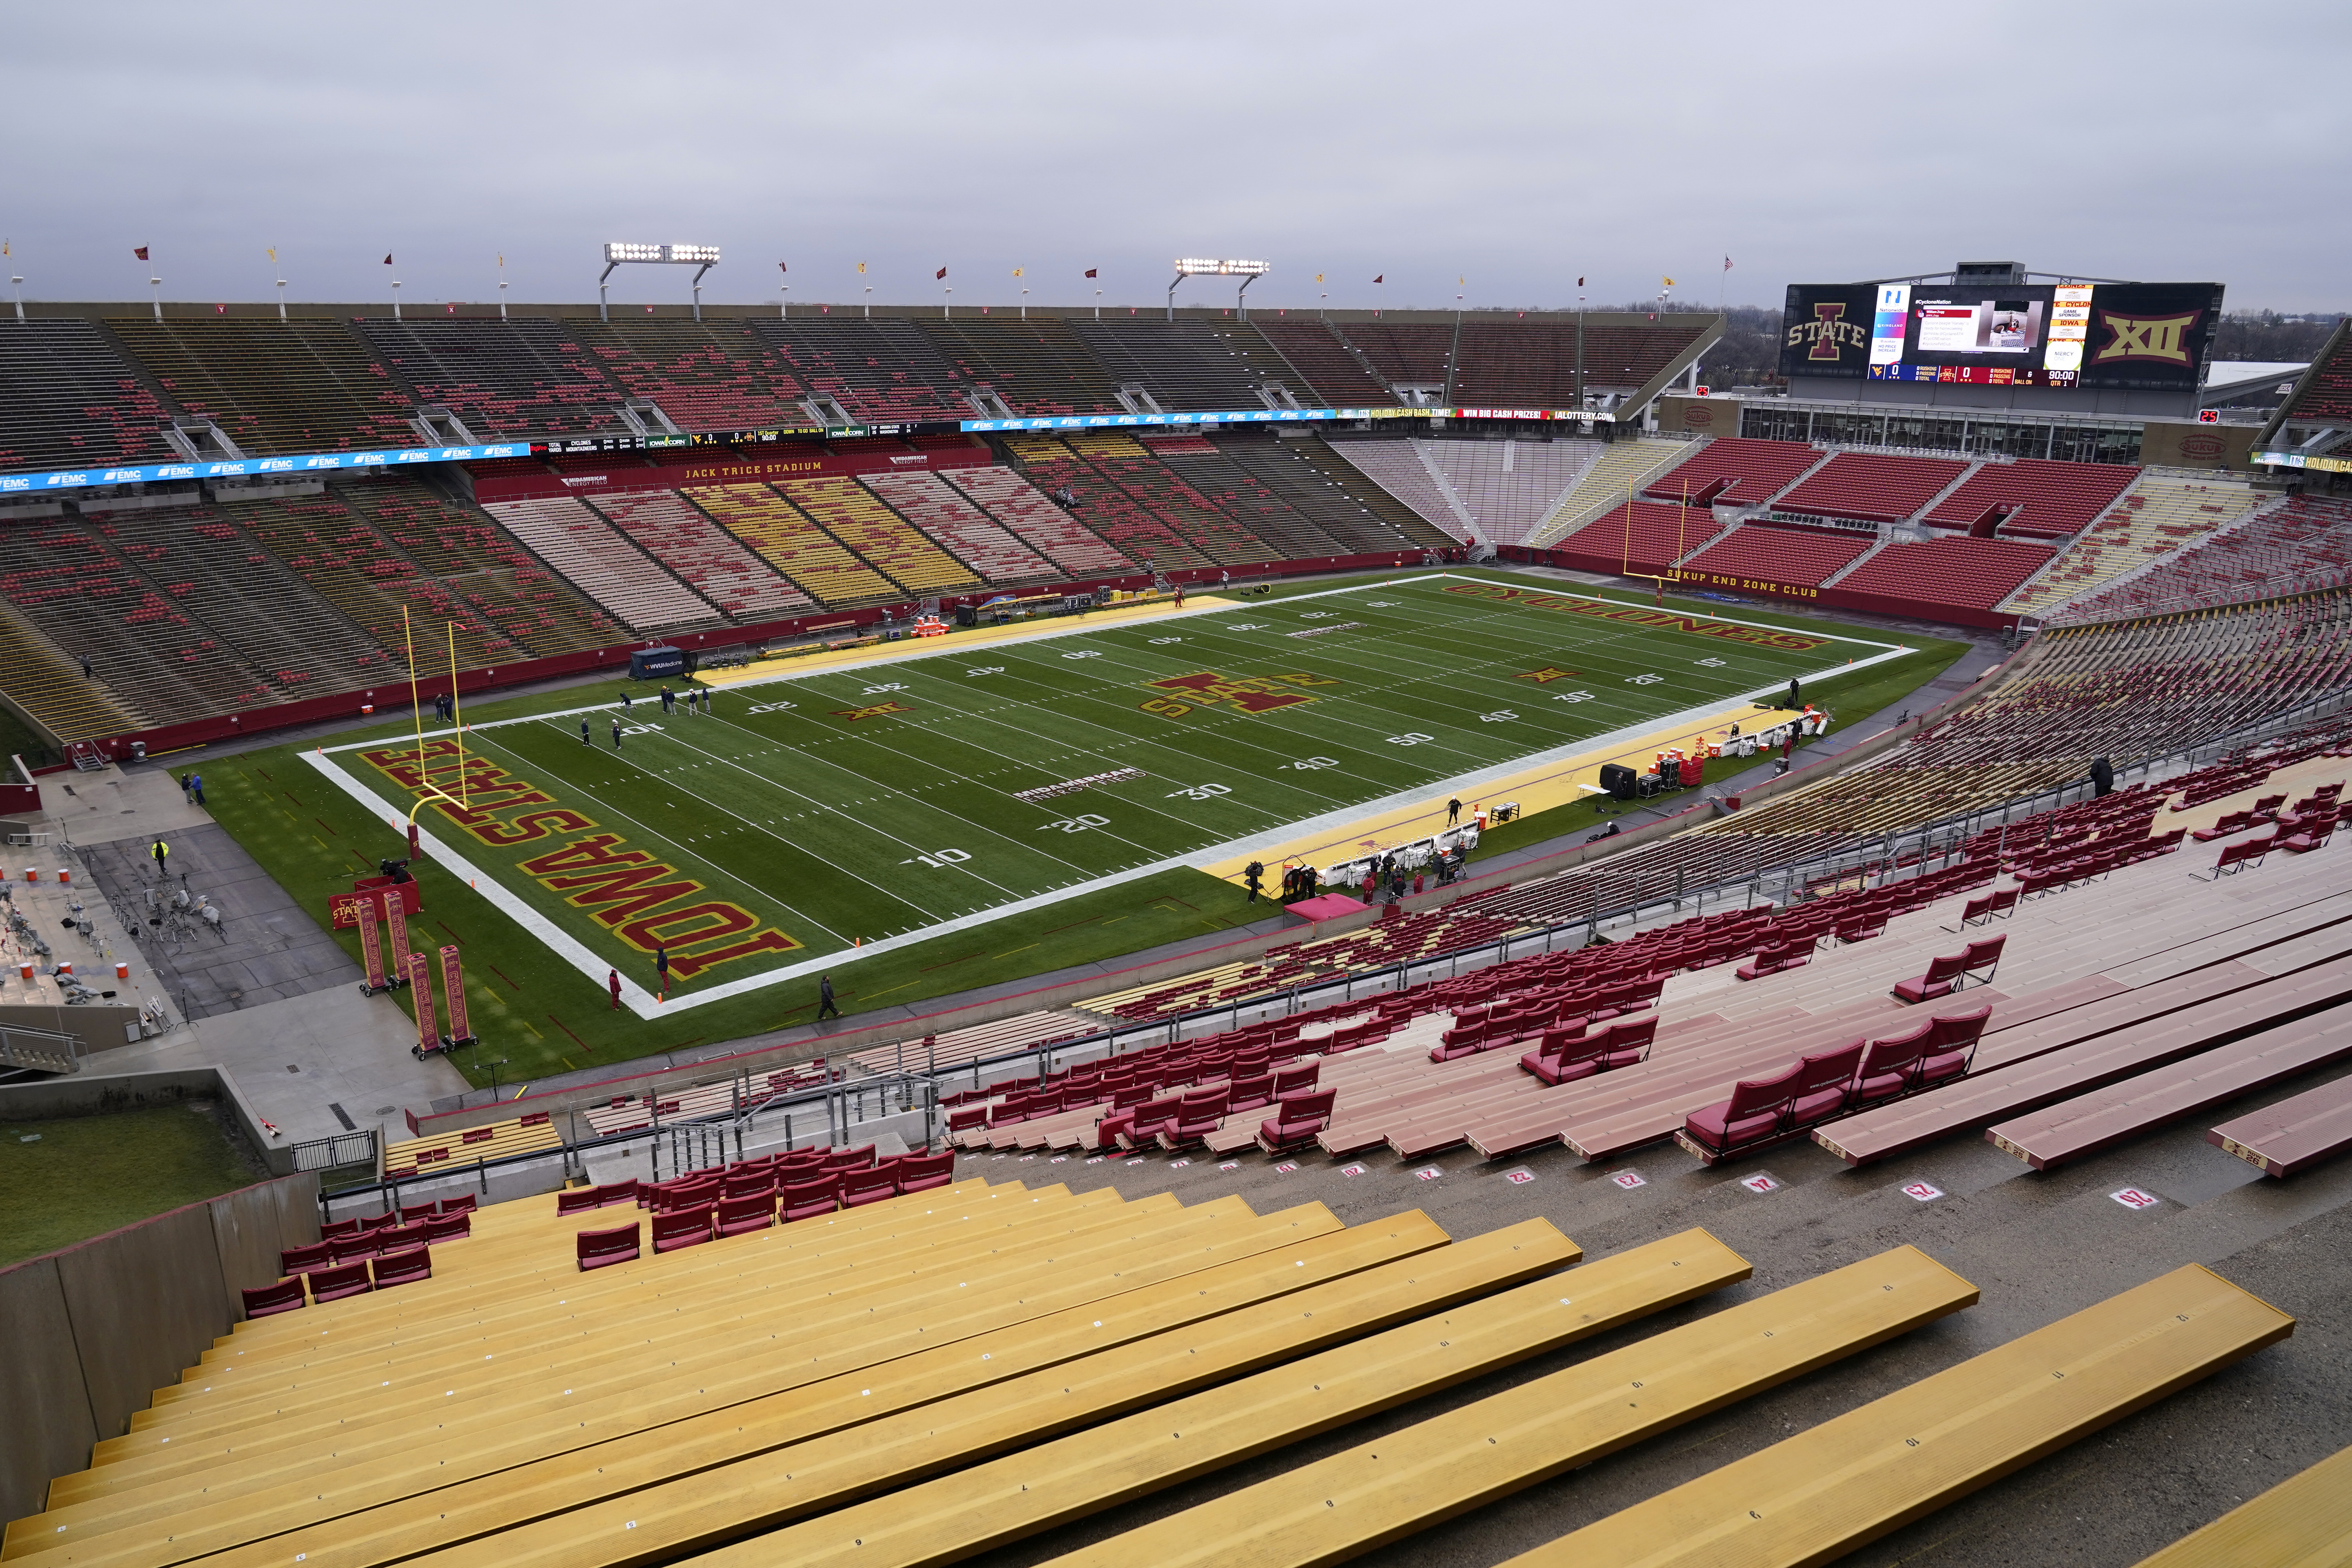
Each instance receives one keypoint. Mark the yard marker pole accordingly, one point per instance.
(457, 719)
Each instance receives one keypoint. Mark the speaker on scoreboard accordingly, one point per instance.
(1619, 780)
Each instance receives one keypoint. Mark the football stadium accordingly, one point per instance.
(911, 933)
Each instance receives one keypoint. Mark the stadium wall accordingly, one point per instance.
(95, 1328)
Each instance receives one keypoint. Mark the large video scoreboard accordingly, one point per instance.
(2150, 337)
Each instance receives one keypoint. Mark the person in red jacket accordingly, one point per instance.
(613, 980)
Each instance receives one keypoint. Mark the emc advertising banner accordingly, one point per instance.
(2124, 336)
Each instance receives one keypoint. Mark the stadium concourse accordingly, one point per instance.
(1929, 1145)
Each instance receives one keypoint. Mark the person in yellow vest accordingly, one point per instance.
(160, 850)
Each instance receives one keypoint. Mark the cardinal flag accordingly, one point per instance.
(1090, 271)
(782, 267)
(1381, 278)
(141, 253)
(387, 258)
(1580, 282)
(941, 273)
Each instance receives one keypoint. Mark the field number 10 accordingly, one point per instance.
(939, 857)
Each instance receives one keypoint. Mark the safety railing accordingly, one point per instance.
(834, 1111)
(39, 1050)
(342, 1151)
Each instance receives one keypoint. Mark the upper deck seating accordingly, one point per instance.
(1955, 572)
(1045, 527)
(944, 513)
(298, 385)
(1038, 366)
(715, 376)
(711, 560)
(1755, 470)
(602, 564)
(68, 400)
(1770, 553)
(2034, 499)
(1873, 486)
(881, 368)
(859, 518)
(1338, 378)
(526, 375)
(1191, 364)
(787, 540)
(1522, 363)
(1402, 354)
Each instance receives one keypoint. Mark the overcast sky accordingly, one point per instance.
(1517, 146)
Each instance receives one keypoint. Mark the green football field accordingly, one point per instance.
(875, 807)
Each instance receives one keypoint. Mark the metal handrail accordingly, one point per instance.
(843, 1102)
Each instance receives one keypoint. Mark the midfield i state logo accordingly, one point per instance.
(1251, 694)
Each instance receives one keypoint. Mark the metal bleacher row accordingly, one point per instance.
(918, 1370)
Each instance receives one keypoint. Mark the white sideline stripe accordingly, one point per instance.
(902, 655)
(642, 1003)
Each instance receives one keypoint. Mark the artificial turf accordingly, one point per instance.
(74, 1177)
(899, 786)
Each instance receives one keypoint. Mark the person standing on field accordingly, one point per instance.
(583, 733)
(617, 734)
(613, 981)
(661, 973)
(668, 699)
(824, 1003)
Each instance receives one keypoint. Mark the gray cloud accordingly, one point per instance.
(1516, 145)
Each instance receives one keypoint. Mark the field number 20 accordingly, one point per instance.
(1078, 824)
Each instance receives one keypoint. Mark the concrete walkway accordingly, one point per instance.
(275, 999)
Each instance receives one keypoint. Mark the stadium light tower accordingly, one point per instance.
(1248, 272)
(18, 284)
(701, 257)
